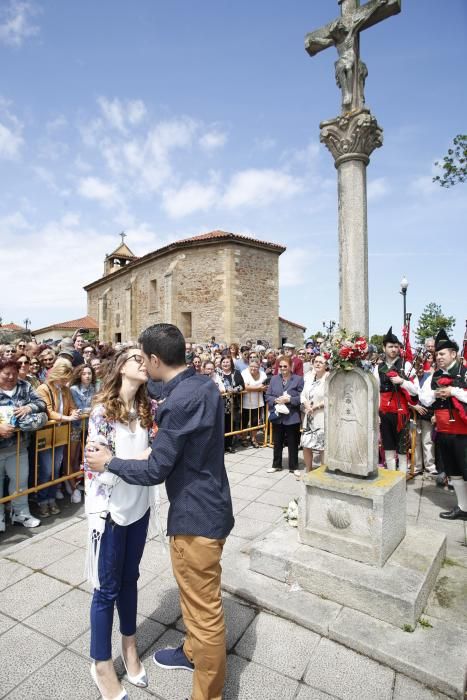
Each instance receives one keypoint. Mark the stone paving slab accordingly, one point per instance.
(274, 498)
(263, 511)
(448, 599)
(30, 594)
(249, 528)
(408, 689)
(40, 554)
(278, 644)
(250, 681)
(22, 652)
(11, 572)
(75, 535)
(70, 569)
(307, 693)
(348, 675)
(247, 493)
(160, 602)
(65, 677)
(5, 623)
(64, 619)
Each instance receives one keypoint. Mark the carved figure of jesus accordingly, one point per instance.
(348, 448)
(343, 33)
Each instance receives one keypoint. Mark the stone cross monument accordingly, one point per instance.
(351, 138)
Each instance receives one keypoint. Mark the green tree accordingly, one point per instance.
(431, 321)
(378, 341)
(454, 165)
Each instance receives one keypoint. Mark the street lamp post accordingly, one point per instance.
(404, 285)
(329, 327)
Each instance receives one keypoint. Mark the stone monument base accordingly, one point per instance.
(396, 592)
(360, 519)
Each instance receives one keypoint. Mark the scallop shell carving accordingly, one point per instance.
(339, 516)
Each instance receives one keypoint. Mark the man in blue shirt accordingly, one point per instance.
(188, 454)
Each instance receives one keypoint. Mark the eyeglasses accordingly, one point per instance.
(23, 362)
(283, 366)
(139, 359)
(34, 364)
(21, 345)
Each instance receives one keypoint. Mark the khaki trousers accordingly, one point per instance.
(197, 570)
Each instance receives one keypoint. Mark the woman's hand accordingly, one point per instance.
(97, 455)
(74, 415)
(22, 411)
(6, 430)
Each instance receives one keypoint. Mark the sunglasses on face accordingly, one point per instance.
(283, 366)
(23, 362)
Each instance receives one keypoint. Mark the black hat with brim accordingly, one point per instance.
(444, 342)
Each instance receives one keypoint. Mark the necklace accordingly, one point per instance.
(132, 413)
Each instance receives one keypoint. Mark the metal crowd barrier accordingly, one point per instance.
(241, 419)
(51, 436)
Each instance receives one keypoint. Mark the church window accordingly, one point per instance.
(185, 324)
(153, 295)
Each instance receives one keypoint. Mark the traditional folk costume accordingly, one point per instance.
(394, 407)
(451, 423)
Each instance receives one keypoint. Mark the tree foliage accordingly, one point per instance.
(378, 341)
(431, 321)
(454, 164)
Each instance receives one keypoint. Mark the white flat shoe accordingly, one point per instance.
(121, 696)
(141, 680)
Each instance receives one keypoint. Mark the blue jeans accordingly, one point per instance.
(8, 467)
(45, 472)
(119, 557)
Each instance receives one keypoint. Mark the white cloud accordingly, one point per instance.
(425, 186)
(295, 266)
(122, 113)
(377, 188)
(260, 187)
(16, 23)
(11, 142)
(191, 197)
(98, 190)
(212, 140)
(57, 123)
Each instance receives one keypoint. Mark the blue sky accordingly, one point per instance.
(172, 119)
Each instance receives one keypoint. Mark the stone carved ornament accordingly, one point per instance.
(352, 136)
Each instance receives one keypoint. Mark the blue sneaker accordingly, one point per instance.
(173, 658)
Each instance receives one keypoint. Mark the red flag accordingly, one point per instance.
(408, 354)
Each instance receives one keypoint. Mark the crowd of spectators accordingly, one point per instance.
(57, 381)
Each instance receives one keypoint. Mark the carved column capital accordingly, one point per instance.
(352, 136)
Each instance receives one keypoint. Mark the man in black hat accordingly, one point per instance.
(447, 394)
(396, 393)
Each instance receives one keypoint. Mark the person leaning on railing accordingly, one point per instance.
(253, 400)
(83, 388)
(20, 409)
(60, 408)
(233, 383)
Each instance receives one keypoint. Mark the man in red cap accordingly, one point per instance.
(447, 394)
(396, 393)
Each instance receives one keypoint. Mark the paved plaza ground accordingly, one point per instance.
(44, 609)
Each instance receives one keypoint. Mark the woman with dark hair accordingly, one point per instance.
(283, 397)
(20, 408)
(34, 369)
(233, 383)
(122, 418)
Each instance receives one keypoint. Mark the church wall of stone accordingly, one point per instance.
(226, 290)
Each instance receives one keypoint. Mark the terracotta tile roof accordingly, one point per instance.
(11, 327)
(292, 323)
(87, 322)
(226, 235)
(212, 236)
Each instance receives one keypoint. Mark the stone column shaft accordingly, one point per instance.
(353, 247)
(351, 138)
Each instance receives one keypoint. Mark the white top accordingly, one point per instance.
(129, 502)
(314, 391)
(253, 399)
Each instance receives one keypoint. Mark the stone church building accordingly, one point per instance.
(216, 284)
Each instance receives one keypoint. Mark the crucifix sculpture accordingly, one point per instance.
(351, 138)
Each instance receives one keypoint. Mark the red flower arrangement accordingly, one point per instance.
(392, 373)
(347, 351)
(445, 381)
